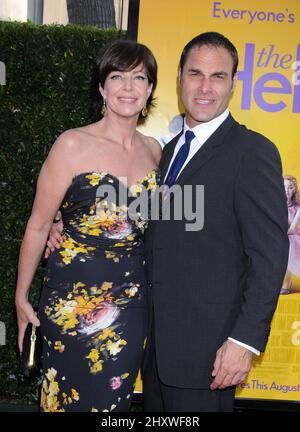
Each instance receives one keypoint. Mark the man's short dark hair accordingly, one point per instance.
(213, 39)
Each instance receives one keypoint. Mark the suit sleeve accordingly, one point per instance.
(261, 211)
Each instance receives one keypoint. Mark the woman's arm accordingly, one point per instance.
(55, 236)
(53, 181)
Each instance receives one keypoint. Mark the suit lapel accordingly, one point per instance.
(167, 156)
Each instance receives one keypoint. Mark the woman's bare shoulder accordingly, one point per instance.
(154, 147)
(70, 141)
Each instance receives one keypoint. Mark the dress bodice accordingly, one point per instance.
(96, 209)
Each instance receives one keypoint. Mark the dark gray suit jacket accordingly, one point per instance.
(225, 279)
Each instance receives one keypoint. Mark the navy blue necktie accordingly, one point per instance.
(180, 158)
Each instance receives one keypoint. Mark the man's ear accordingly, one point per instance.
(179, 75)
(234, 81)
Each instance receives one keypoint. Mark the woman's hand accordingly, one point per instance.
(25, 315)
(55, 239)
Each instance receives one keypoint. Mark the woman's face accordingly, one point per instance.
(289, 189)
(126, 93)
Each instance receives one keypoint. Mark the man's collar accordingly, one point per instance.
(206, 129)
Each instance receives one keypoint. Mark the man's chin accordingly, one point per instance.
(194, 120)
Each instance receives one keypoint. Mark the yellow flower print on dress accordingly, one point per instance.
(93, 355)
(132, 291)
(115, 348)
(152, 181)
(109, 220)
(49, 403)
(135, 190)
(75, 395)
(95, 363)
(50, 393)
(92, 313)
(63, 314)
(59, 346)
(112, 255)
(97, 367)
(68, 400)
(107, 333)
(95, 178)
(71, 249)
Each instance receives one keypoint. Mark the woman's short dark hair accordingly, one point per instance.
(211, 39)
(121, 55)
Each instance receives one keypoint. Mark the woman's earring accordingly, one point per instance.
(144, 111)
(103, 108)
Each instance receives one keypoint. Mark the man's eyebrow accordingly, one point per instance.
(192, 69)
(220, 73)
(199, 71)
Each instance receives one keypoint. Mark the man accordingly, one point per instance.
(214, 291)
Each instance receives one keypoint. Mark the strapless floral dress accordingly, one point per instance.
(93, 306)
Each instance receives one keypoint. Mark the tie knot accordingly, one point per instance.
(189, 136)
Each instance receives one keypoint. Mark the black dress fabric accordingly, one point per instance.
(93, 308)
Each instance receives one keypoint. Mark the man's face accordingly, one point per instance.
(206, 83)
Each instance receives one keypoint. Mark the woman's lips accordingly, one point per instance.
(127, 99)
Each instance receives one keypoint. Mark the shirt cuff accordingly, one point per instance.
(255, 351)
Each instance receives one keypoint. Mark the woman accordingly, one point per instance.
(293, 202)
(93, 307)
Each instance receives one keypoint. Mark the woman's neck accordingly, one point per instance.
(121, 129)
